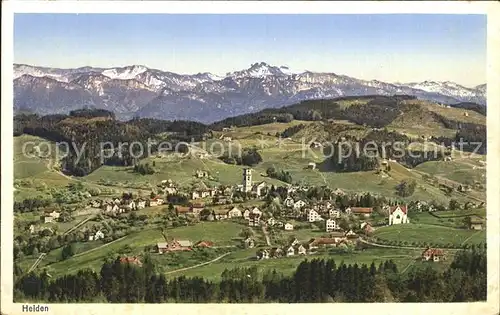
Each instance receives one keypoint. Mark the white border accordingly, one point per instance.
(246, 7)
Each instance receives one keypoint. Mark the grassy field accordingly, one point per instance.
(221, 233)
(289, 156)
(287, 265)
(34, 172)
(430, 233)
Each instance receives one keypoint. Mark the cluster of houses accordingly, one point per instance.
(433, 254)
(296, 248)
(122, 205)
(181, 245)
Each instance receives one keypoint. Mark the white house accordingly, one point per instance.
(398, 215)
(259, 188)
(334, 213)
(311, 166)
(256, 211)
(54, 214)
(246, 214)
(313, 215)
(288, 227)
(331, 225)
(195, 195)
(131, 205)
(98, 235)
(234, 213)
(170, 190)
(288, 202)
(290, 251)
(271, 221)
(141, 204)
(299, 204)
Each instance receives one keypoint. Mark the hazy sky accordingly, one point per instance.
(392, 48)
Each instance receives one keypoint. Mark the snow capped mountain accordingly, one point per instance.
(125, 73)
(139, 90)
(448, 88)
(259, 70)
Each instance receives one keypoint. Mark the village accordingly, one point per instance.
(217, 204)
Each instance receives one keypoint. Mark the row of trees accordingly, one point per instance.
(283, 176)
(313, 281)
(248, 157)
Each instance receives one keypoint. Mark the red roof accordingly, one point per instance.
(182, 209)
(403, 208)
(322, 241)
(433, 252)
(361, 210)
(156, 198)
(198, 205)
(131, 260)
(204, 244)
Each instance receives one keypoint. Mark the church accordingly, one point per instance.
(398, 215)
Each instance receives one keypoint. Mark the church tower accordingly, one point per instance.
(247, 180)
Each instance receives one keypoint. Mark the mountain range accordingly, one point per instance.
(139, 91)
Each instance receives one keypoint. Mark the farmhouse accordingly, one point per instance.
(234, 213)
(288, 202)
(311, 166)
(141, 204)
(256, 210)
(201, 174)
(131, 260)
(220, 214)
(49, 217)
(205, 244)
(262, 254)
(156, 201)
(276, 252)
(248, 243)
(98, 235)
(366, 228)
(271, 221)
(246, 214)
(432, 254)
(182, 210)
(313, 216)
(288, 227)
(319, 242)
(476, 223)
(359, 211)
(259, 189)
(334, 213)
(299, 204)
(174, 245)
(351, 234)
(398, 215)
(331, 225)
(170, 190)
(254, 219)
(290, 251)
(196, 208)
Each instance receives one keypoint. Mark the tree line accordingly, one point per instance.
(314, 281)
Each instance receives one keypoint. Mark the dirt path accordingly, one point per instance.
(93, 249)
(78, 225)
(266, 235)
(39, 259)
(199, 265)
